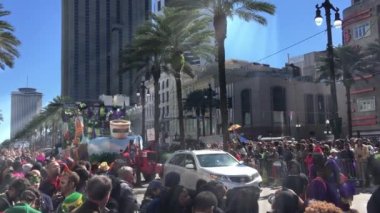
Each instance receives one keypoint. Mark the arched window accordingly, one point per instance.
(278, 104)
(246, 107)
(278, 98)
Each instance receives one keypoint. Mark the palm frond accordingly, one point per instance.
(8, 42)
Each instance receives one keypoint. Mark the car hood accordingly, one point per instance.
(231, 170)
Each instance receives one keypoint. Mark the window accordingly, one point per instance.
(159, 6)
(246, 107)
(321, 109)
(278, 99)
(178, 159)
(167, 96)
(167, 110)
(189, 160)
(216, 160)
(366, 104)
(362, 30)
(309, 103)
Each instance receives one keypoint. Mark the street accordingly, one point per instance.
(359, 203)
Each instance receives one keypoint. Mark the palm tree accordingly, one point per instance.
(184, 32)
(195, 101)
(8, 42)
(349, 63)
(49, 117)
(164, 39)
(249, 10)
(373, 56)
(145, 55)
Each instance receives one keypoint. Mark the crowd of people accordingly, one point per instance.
(330, 171)
(314, 177)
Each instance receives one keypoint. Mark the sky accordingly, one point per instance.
(38, 27)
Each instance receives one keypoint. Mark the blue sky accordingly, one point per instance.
(38, 26)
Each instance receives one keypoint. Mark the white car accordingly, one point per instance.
(197, 165)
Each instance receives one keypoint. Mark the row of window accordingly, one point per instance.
(367, 104)
(362, 30)
(164, 111)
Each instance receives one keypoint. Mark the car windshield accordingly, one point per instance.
(216, 160)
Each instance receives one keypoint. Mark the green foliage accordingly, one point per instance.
(349, 63)
(248, 10)
(373, 56)
(8, 42)
(196, 101)
(50, 114)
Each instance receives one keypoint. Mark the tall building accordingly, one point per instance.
(26, 103)
(94, 33)
(361, 26)
(308, 63)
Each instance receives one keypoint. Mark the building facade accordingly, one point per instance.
(25, 104)
(264, 100)
(94, 33)
(308, 63)
(361, 27)
(272, 102)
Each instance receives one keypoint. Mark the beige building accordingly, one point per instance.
(26, 103)
(361, 26)
(264, 100)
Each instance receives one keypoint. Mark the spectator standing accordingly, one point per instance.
(152, 193)
(361, 157)
(98, 192)
(69, 182)
(13, 194)
(46, 204)
(28, 202)
(205, 202)
(125, 197)
(51, 184)
(374, 169)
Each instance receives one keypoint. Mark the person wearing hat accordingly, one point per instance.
(333, 154)
(69, 182)
(71, 202)
(151, 197)
(27, 204)
(103, 168)
(13, 194)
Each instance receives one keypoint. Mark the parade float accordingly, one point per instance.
(98, 133)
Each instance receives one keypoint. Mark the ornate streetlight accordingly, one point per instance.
(144, 91)
(330, 55)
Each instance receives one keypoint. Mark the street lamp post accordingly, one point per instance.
(330, 55)
(144, 91)
(298, 126)
(208, 96)
(328, 129)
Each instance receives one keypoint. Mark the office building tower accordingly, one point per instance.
(26, 103)
(94, 33)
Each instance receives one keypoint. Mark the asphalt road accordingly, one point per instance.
(359, 203)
